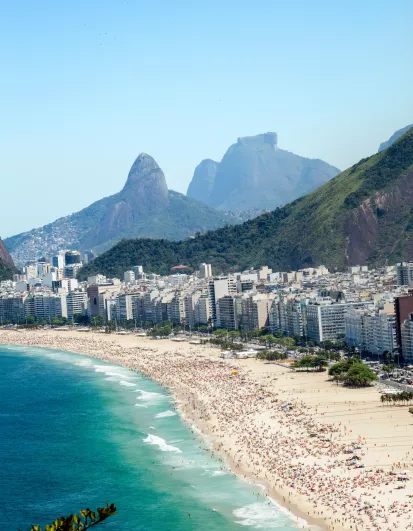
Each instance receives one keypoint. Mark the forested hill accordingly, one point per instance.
(364, 215)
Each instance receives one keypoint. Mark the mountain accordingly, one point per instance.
(144, 207)
(202, 182)
(394, 137)
(7, 267)
(256, 174)
(362, 216)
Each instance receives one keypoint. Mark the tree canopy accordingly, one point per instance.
(79, 522)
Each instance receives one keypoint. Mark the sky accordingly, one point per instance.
(87, 85)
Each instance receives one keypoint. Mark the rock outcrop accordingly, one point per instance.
(255, 174)
(200, 187)
(362, 216)
(143, 208)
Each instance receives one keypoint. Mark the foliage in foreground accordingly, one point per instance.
(79, 522)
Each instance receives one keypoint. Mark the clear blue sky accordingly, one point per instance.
(86, 85)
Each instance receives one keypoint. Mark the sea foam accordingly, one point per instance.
(148, 396)
(218, 473)
(164, 414)
(161, 443)
(127, 384)
(260, 515)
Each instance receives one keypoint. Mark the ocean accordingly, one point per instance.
(76, 432)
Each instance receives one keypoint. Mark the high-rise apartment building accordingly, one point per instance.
(77, 303)
(255, 311)
(404, 274)
(228, 311)
(218, 288)
(403, 307)
(205, 270)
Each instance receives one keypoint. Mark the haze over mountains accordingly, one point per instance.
(362, 216)
(255, 174)
(143, 208)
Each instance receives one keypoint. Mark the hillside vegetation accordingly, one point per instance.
(143, 208)
(364, 215)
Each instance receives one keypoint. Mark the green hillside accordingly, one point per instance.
(363, 215)
(6, 273)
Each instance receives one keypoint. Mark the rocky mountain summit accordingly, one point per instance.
(143, 208)
(362, 216)
(255, 174)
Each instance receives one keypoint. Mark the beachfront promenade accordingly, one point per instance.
(334, 456)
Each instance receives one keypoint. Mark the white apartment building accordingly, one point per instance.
(58, 260)
(30, 271)
(48, 306)
(129, 277)
(124, 307)
(49, 278)
(202, 310)
(218, 288)
(404, 274)
(176, 309)
(190, 301)
(255, 311)
(325, 319)
(205, 270)
(96, 279)
(77, 303)
(138, 270)
(374, 331)
(289, 315)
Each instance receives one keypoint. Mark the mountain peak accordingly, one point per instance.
(141, 168)
(145, 189)
(143, 208)
(255, 174)
(363, 216)
(264, 138)
(203, 180)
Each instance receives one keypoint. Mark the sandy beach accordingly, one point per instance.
(333, 456)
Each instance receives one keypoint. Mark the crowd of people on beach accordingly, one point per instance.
(265, 432)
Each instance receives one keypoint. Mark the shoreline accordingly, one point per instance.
(298, 517)
(265, 433)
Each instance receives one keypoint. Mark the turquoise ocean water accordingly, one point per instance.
(76, 432)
